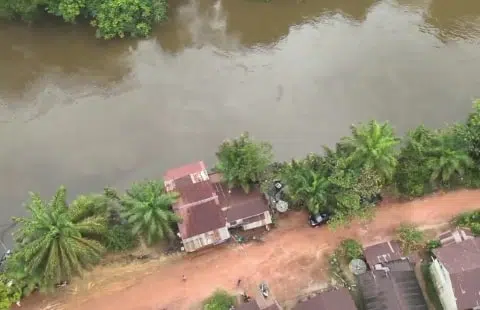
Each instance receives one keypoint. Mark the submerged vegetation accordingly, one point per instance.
(59, 241)
(111, 18)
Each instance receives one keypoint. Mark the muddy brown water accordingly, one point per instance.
(86, 113)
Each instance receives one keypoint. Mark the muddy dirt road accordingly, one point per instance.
(291, 260)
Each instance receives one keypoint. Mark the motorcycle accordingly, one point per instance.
(264, 290)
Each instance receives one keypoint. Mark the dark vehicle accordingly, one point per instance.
(316, 220)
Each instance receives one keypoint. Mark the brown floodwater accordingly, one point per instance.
(88, 113)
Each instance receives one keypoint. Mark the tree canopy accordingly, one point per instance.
(147, 208)
(111, 18)
(58, 242)
(242, 161)
(373, 146)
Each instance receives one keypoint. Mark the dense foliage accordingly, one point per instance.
(112, 18)
(58, 241)
(219, 300)
(469, 220)
(410, 237)
(350, 249)
(373, 147)
(242, 161)
(8, 295)
(147, 208)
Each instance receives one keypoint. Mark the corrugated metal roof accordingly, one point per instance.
(240, 205)
(462, 261)
(331, 300)
(179, 172)
(251, 305)
(383, 253)
(397, 289)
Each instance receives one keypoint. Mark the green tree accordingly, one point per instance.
(219, 300)
(112, 18)
(242, 161)
(410, 237)
(448, 158)
(471, 133)
(58, 242)
(7, 296)
(414, 169)
(469, 220)
(118, 18)
(373, 146)
(147, 208)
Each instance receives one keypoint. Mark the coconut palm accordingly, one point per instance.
(307, 186)
(448, 159)
(58, 242)
(147, 207)
(373, 146)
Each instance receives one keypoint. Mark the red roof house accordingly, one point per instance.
(203, 221)
(208, 208)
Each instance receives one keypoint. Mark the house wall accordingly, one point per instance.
(443, 284)
(267, 220)
(209, 238)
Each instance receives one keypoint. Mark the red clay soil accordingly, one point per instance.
(290, 259)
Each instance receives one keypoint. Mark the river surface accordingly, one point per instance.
(87, 113)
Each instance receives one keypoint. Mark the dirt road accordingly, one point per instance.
(290, 260)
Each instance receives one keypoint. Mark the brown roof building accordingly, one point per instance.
(383, 253)
(251, 305)
(461, 261)
(330, 300)
(395, 287)
(203, 221)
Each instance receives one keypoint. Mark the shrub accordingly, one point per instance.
(120, 238)
(470, 220)
(410, 237)
(219, 300)
(7, 295)
(432, 244)
(350, 249)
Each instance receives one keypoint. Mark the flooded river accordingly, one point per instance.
(86, 113)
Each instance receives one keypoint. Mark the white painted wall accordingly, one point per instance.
(209, 238)
(441, 279)
(264, 222)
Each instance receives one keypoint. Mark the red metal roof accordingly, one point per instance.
(177, 173)
(238, 204)
(462, 261)
(198, 204)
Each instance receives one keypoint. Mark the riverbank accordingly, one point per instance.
(290, 260)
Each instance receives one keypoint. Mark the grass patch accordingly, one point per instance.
(430, 287)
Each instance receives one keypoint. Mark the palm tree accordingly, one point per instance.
(448, 159)
(58, 242)
(147, 207)
(306, 185)
(373, 146)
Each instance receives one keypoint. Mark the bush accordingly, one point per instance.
(410, 237)
(431, 245)
(120, 238)
(7, 296)
(219, 300)
(350, 249)
(469, 220)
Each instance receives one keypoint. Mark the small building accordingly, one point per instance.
(391, 283)
(251, 305)
(383, 253)
(329, 300)
(203, 221)
(394, 287)
(246, 210)
(208, 208)
(456, 273)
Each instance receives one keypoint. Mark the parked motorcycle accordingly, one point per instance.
(264, 290)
